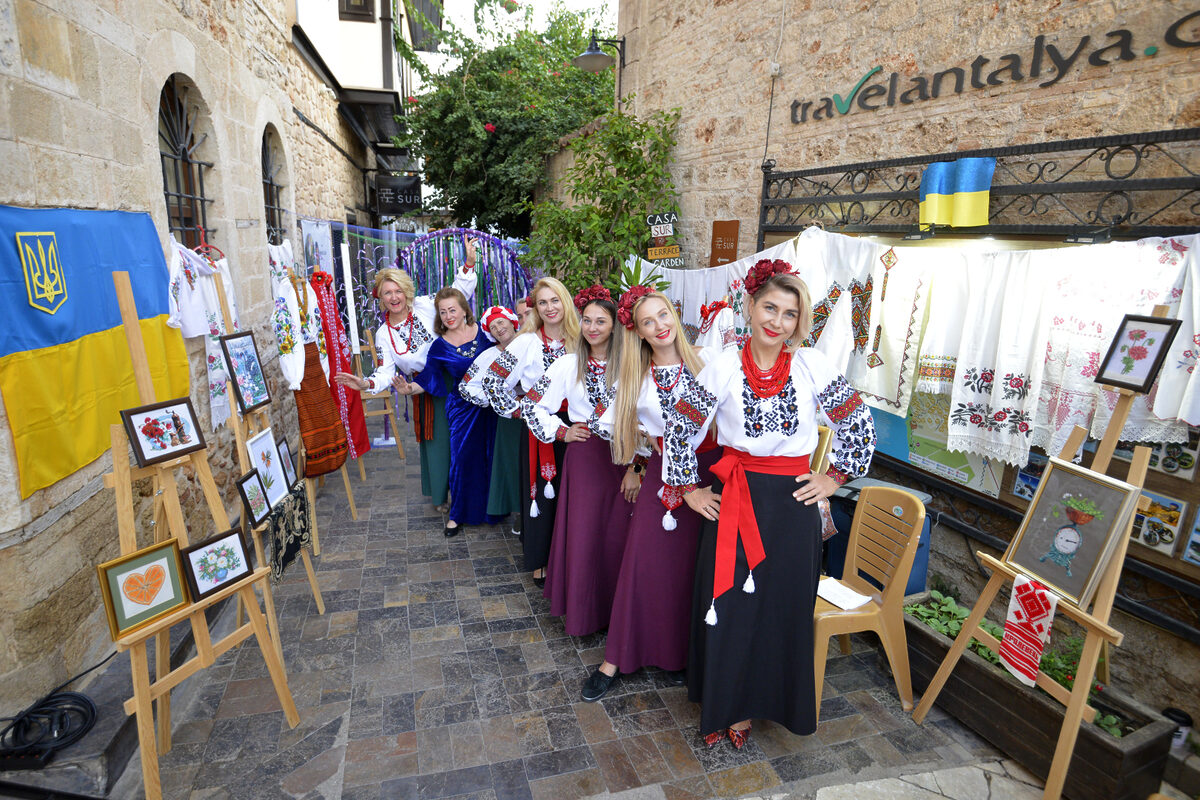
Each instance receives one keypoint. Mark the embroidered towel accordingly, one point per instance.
(944, 327)
(1027, 628)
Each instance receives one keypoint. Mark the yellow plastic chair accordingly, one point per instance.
(883, 544)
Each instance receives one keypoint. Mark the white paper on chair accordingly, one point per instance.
(839, 594)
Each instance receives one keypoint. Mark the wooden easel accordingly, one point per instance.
(169, 523)
(244, 427)
(1099, 635)
(389, 404)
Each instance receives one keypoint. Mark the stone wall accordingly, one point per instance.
(80, 84)
(713, 59)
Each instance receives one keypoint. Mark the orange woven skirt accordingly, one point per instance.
(321, 426)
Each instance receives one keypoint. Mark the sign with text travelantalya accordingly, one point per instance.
(397, 194)
(1050, 61)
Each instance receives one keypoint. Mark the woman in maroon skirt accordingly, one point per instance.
(649, 625)
(593, 513)
(751, 650)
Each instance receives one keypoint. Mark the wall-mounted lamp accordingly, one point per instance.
(596, 60)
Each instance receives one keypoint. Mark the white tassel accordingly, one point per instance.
(669, 522)
(748, 586)
(711, 617)
(548, 490)
(660, 492)
(533, 508)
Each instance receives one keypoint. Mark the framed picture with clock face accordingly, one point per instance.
(1071, 529)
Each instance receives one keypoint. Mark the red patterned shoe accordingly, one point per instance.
(713, 739)
(739, 738)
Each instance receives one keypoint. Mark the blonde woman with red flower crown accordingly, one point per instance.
(551, 330)
(403, 342)
(751, 650)
(652, 603)
(593, 512)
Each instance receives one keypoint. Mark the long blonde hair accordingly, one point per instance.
(584, 350)
(635, 366)
(570, 323)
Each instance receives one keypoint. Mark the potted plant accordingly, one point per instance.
(1123, 756)
(1080, 510)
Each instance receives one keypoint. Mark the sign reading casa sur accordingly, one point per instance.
(1045, 60)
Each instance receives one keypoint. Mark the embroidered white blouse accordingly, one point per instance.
(783, 425)
(470, 388)
(405, 346)
(525, 361)
(293, 327)
(586, 401)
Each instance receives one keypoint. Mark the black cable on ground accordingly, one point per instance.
(58, 720)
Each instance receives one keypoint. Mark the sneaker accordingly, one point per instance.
(598, 685)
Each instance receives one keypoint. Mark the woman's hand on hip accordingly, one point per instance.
(815, 487)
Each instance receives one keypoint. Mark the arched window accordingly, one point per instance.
(272, 182)
(183, 172)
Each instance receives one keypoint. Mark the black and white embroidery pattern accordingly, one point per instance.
(468, 376)
(420, 336)
(550, 353)
(853, 428)
(600, 397)
(495, 386)
(778, 414)
(685, 407)
(528, 411)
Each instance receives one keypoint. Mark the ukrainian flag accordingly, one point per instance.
(65, 369)
(956, 192)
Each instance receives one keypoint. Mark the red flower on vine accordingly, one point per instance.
(490, 128)
(412, 99)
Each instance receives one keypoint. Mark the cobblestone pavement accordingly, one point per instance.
(437, 672)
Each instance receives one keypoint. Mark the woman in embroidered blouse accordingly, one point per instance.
(592, 514)
(403, 341)
(504, 493)
(652, 601)
(551, 330)
(472, 429)
(751, 651)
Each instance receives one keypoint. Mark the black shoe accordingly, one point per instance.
(676, 677)
(598, 685)
(448, 531)
(540, 582)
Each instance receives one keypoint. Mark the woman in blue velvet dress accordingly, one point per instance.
(472, 429)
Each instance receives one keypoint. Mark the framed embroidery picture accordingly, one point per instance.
(249, 383)
(254, 497)
(141, 587)
(1137, 352)
(1072, 527)
(215, 562)
(285, 458)
(264, 457)
(161, 431)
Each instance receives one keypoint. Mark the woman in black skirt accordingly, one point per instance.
(751, 650)
(551, 330)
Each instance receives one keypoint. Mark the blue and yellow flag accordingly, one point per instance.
(65, 369)
(956, 192)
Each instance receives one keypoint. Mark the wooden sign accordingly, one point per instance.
(670, 251)
(724, 242)
(662, 231)
(668, 218)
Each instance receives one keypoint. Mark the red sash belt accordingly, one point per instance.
(541, 460)
(737, 514)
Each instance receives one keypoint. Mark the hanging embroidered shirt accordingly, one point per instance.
(525, 361)
(296, 318)
(349, 403)
(782, 425)
(1178, 395)
(586, 401)
(405, 347)
(195, 309)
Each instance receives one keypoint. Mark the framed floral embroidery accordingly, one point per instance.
(1137, 352)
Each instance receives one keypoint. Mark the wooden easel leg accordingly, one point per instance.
(162, 665)
(349, 493)
(960, 644)
(140, 667)
(312, 581)
(310, 489)
(274, 662)
(268, 596)
(1074, 715)
(362, 470)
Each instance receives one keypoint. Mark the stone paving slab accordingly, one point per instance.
(438, 672)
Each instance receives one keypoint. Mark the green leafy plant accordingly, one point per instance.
(484, 128)
(621, 173)
(943, 614)
(1083, 505)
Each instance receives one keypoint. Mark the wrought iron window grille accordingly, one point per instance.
(183, 173)
(272, 164)
(1128, 186)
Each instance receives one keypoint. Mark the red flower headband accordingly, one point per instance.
(763, 270)
(527, 300)
(628, 300)
(593, 292)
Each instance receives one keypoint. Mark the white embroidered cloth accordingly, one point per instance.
(947, 300)
(1179, 382)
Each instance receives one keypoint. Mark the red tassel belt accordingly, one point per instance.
(672, 496)
(541, 459)
(737, 514)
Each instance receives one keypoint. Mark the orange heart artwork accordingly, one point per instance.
(142, 587)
